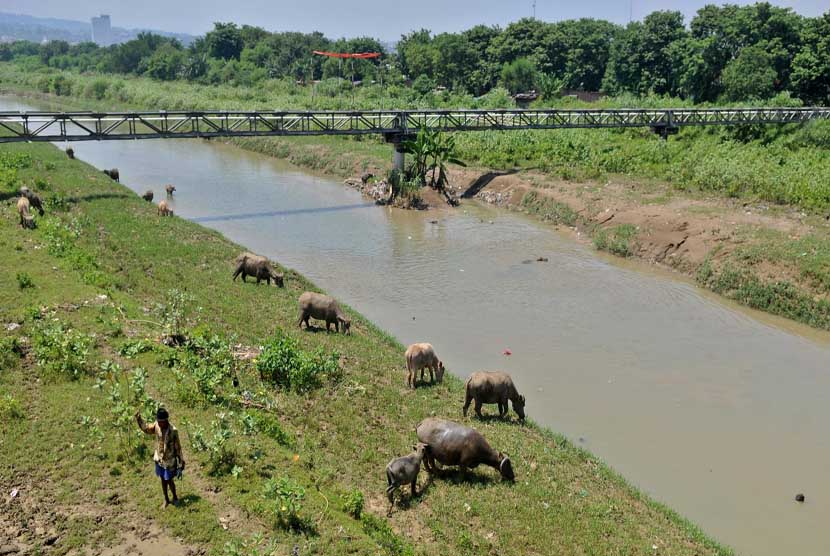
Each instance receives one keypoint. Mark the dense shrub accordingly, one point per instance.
(59, 350)
(284, 364)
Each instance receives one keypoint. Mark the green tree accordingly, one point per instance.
(224, 41)
(750, 75)
(166, 63)
(641, 60)
(519, 76)
(811, 66)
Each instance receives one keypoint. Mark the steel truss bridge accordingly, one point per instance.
(96, 126)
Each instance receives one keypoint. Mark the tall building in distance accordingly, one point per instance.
(101, 30)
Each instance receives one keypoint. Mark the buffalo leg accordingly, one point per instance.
(237, 272)
(478, 409)
(414, 493)
(467, 401)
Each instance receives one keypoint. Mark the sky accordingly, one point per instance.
(384, 19)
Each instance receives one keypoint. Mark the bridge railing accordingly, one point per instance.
(80, 126)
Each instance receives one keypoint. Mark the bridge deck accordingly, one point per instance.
(86, 126)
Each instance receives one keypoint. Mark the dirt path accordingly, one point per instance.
(33, 522)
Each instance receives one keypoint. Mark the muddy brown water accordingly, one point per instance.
(719, 412)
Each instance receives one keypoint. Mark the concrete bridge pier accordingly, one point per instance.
(399, 157)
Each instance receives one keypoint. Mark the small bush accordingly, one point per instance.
(24, 281)
(132, 348)
(254, 422)
(284, 364)
(214, 442)
(287, 498)
(60, 350)
(10, 351)
(174, 312)
(617, 239)
(10, 408)
(353, 503)
(203, 368)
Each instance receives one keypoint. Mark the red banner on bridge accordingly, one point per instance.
(359, 55)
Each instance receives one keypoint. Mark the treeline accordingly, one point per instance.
(726, 53)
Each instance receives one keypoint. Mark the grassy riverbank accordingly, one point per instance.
(90, 288)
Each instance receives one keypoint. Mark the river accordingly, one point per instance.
(719, 412)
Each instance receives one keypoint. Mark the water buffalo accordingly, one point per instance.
(404, 470)
(455, 444)
(26, 220)
(148, 196)
(419, 357)
(70, 152)
(322, 307)
(164, 209)
(249, 264)
(170, 189)
(113, 174)
(493, 387)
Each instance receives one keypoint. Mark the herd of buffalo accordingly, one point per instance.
(440, 441)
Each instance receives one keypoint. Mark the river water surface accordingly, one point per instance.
(718, 412)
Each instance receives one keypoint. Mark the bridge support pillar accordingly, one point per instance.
(664, 131)
(398, 157)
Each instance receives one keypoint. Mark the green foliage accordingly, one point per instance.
(353, 503)
(10, 351)
(60, 350)
(126, 394)
(750, 76)
(779, 298)
(10, 408)
(284, 364)
(174, 312)
(254, 421)
(431, 152)
(519, 76)
(222, 457)
(811, 66)
(203, 368)
(132, 348)
(61, 85)
(96, 89)
(548, 209)
(24, 281)
(224, 41)
(61, 241)
(286, 497)
(616, 239)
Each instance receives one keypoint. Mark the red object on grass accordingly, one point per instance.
(507, 352)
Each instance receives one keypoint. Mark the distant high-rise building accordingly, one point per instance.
(101, 30)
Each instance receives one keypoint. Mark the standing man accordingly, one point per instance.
(168, 455)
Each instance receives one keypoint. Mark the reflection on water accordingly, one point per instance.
(274, 213)
(717, 412)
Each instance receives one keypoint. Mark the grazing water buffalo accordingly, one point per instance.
(70, 152)
(455, 444)
(322, 307)
(148, 196)
(404, 470)
(170, 189)
(419, 357)
(113, 174)
(249, 264)
(493, 387)
(164, 209)
(34, 199)
(26, 220)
